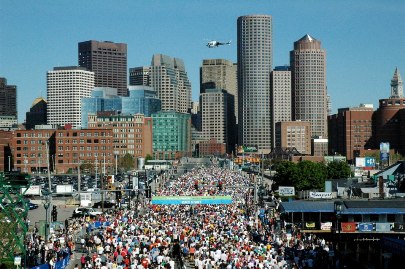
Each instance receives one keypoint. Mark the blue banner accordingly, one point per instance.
(63, 263)
(365, 227)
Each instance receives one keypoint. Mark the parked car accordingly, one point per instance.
(32, 206)
(85, 211)
(107, 204)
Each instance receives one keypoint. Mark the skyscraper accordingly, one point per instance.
(280, 103)
(108, 61)
(218, 117)
(8, 99)
(139, 76)
(220, 74)
(168, 77)
(308, 63)
(66, 86)
(254, 67)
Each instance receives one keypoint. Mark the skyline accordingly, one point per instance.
(363, 40)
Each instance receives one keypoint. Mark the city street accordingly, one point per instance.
(64, 212)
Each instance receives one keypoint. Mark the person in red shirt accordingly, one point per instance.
(145, 263)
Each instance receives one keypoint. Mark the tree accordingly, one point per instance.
(311, 175)
(126, 162)
(148, 157)
(285, 173)
(338, 169)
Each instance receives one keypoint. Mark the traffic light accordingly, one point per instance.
(54, 214)
(148, 192)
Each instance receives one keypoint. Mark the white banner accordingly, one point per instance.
(326, 226)
(320, 195)
(286, 191)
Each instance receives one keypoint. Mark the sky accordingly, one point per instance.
(364, 39)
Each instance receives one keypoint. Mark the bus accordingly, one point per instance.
(158, 165)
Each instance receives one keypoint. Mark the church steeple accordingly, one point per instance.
(397, 85)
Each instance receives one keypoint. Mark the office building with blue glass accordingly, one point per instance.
(141, 100)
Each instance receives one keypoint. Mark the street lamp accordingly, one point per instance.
(46, 204)
(338, 211)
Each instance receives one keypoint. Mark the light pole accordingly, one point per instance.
(96, 170)
(46, 206)
(338, 211)
(49, 176)
(9, 163)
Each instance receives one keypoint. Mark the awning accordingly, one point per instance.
(306, 206)
(352, 211)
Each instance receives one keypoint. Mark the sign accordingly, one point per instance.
(191, 200)
(366, 162)
(243, 149)
(309, 225)
(320, 195)
(384, 151)
(383, 227)
(326, 226)
(366, 227)
(348, 227)
(399, 227)
(286, 191)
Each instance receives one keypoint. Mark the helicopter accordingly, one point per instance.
(214, 44)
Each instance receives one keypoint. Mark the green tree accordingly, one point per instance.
(126, 162)
(285, 173)
(338, 169)
(147, 158)
(310, 175)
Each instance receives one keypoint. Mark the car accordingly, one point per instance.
(107, 204)
(32, 206)
(85, 211)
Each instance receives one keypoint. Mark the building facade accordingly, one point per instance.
(293, 134)
(66, 86)
(108, 61)
(168, 77)
(350, 131)
(255, 60)
(8, 104)
(102, 99)
(389, 118)
(32, 149)
(171, 135)
(132, 134)
(139, 76)
(218, 117)
(76, 147)
(281, 106)
(212, 148)
(220, 74)
(308, 65)
(37, 113)
(141, 100)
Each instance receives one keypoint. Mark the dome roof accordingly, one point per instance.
(37, 100)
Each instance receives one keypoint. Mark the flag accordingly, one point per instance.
(348, 227)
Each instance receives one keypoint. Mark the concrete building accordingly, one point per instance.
(139, 76)
(255, 63)
(8, 104)
(108, 61)
(218, 117)
(171, 135)
(350, 131)
(319, 146)
(37, 113)
(308, 65)
(168, 77)
(8, 98)
(132, 134)
(66, 86)
(281, 106)
(293, 134)
(220, 74)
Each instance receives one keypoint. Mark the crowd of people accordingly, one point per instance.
(200, 236)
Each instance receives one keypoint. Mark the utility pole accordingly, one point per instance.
(96, 170)
(49, 183)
